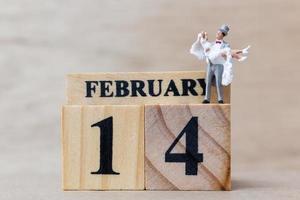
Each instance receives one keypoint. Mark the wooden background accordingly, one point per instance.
(42, 41)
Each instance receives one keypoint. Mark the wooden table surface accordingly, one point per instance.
(42, 41)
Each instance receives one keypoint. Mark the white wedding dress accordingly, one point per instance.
(214, 55)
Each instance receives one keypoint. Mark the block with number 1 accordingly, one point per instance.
(103, 147)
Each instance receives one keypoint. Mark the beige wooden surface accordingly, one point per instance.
(77, 92)
(43, 41)
(80, 148)
(164, 123)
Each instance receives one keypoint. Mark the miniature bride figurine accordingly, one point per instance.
(218, 56)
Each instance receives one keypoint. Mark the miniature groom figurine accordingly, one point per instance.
(215, 70)
(218, 56)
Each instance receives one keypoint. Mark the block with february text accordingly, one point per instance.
(139, 88)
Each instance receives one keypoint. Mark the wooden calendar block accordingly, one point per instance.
(187, 147)
(103, 147)
(138, 88)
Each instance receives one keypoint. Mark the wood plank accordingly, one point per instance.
(139, 88)
(164, 123)
(81, 147)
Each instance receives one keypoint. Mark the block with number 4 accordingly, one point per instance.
(103, 147)
(187, 147)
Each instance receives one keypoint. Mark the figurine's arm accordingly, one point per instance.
(225, 52)
(197, 48)
(201, 46)
(204, 41)
(240, 54)
(243, 51)
(236, 54)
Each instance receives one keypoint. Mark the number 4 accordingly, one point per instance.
(191, 157)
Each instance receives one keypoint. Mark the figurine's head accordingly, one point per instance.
(222, 32)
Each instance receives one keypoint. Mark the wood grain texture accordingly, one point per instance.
(163, 124)
(77, 88)
(81, 144)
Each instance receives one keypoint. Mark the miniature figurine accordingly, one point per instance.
(218, 56)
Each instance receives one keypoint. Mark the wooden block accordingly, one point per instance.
(103, 147)
(187, 147)
(139, 88)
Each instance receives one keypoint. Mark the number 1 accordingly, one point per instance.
(106, 141)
